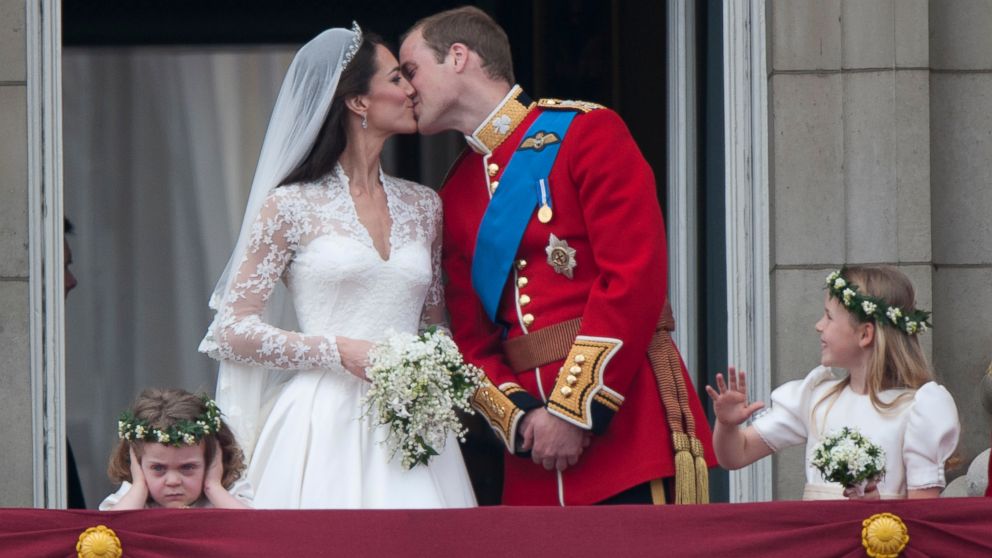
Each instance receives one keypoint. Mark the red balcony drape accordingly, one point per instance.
(943, 527)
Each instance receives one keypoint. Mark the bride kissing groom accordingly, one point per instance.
(553, 245)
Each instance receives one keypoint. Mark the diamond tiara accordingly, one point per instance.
(356, 43)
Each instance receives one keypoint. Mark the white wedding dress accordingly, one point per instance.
(315, 448)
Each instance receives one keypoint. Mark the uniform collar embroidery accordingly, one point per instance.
(501, 122)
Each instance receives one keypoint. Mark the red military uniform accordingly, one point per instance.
(609, 270)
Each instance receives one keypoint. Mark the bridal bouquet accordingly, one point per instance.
(418, 383)
(849, 458)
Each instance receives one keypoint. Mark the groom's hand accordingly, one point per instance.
(554, 443)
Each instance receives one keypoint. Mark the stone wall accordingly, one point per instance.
(16, 458)
(961, 185)
(881, 153)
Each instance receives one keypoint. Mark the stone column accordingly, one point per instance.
(850, 164)
(961, 134)
(16, 461)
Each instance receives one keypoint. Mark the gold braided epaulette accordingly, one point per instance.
(566, 104)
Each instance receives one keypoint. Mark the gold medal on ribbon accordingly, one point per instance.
(544, 214)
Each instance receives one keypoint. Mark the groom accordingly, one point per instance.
(555, 251)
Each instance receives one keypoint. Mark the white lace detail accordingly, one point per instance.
(309, 236)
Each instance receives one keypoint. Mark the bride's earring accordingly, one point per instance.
(365, 121)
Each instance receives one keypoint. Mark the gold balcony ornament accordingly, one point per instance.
(884, 535)
(98, 542)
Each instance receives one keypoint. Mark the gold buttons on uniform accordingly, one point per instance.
(494, 185)
(579, 359)
(521, 264)
(521, 282)
(524, 300)
(566, 391)
(528, 319)
(493, 168)
(574, 370)
(570, 380)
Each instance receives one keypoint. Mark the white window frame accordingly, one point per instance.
(747, 210)
(682, 218)
(43, 32)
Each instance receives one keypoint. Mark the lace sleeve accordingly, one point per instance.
(433, 313)
(239, 332)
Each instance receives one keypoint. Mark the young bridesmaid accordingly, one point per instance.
(176, 452)
(869, 328)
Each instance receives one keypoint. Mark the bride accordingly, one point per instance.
(359, 253)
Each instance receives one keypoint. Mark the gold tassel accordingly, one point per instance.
(702, 472)
(685, 474)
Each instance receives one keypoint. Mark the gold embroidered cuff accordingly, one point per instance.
(580, 382)
(503, 407)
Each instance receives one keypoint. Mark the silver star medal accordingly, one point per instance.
(560, 256)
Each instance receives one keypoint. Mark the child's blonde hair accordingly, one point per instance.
(897, 360)
(163, 408)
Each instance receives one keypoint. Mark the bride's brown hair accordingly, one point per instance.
(333, 137)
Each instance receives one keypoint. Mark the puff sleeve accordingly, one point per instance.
(931, 437)
(109, 502)
(786, 422)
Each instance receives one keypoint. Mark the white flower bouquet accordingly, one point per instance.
(419, 382)
(849, 458)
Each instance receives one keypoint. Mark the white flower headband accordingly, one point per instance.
(867, 307)
(183, 432)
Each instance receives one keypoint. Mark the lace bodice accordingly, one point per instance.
(309, 235)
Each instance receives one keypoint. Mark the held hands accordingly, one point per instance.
(553, 442)
(730, 402)
(354, 355)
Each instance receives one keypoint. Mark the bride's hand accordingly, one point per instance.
(354, 355)
(730, 402)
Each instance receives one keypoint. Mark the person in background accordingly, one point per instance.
(870, 328)
(75, 487)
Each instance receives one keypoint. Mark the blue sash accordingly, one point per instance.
(522, 187)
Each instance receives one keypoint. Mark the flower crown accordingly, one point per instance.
(867, 307)
(356, 43)
(183, 432)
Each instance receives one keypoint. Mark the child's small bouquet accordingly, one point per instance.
(849, 458)
(418, 383)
